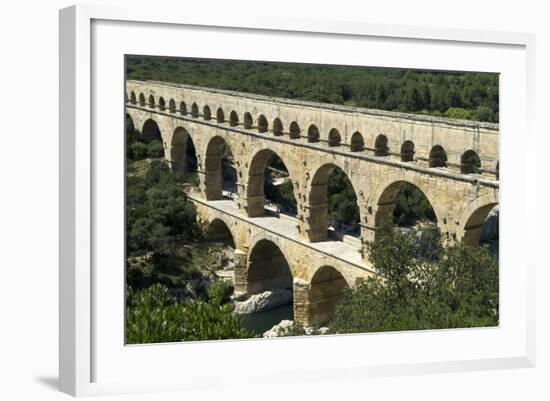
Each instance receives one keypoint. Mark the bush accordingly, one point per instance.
(153, 316)
(139, 150)
(155, 149)
(449, 287)
(219, 292)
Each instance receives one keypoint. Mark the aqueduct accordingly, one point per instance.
(453, 162)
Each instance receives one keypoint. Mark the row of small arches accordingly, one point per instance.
(469, 163)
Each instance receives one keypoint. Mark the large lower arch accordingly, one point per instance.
(219, 231)
(255, 190)
(318, 219)
(216, 151)
(325, 292)
(267, 268)
(473, 218)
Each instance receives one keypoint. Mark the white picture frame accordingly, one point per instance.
(89, 367)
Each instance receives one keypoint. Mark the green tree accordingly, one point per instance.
(444, 287)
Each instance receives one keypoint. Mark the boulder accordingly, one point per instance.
(263, 301)
(278, 329)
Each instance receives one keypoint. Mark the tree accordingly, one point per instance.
(421, 286)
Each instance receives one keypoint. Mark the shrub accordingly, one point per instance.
(139, 150)
(155, 149)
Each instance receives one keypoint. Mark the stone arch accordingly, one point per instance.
(172, 106)
(262, 124)
(326, 289)
(334, 138)
(218, 231)
(141, 99)
(469, 162)
(357, 142)
(178, 151)
(233, 119)
(183, 108)
(129, 127)
(381, 147)
(294, 130)
(407, 151)
(318, 218)
(133, 97)
(255, 191)
(213, 179)
(151, 101)
(267, 268)
(151, 131)
(385, 196)
(194, 110)
(247, 120)
(277, 127)
(206, 114)
(220, 116)
(162, 103)
(313, 134)
(438, 157)
(473, 218)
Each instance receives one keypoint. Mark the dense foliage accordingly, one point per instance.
(153, 316)
(464, 95)
(421, 286)
(343, 212)
(412, 206)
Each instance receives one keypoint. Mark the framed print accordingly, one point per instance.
(337, 192)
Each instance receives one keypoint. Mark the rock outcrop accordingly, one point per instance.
(263, 301)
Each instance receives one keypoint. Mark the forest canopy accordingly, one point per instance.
(461, 95)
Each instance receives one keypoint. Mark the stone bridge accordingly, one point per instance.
(453, 162)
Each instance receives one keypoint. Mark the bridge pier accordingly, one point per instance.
(316, 222)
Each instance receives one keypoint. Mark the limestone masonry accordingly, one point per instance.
(453, 162)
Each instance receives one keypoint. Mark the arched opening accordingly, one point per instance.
(150, 131)
(470, 162)
(381, 145)
(194, 110)
(333, 207)
(219, 232)
(220, 116)
(334, 138)
(438, 157)
(151, 135)
(267, 269)
(183, 108)
(206, 113)
(313, 134)
(270, 188)
(407, 151)
(357, 142)
(326, 290)
(262, 124)
(247, 123)
(178, 153)
(172, 106)
(277, 127)
(233, 119)
(405, 205)
(133, 97)
(497, 170)
(151, 101)
(482, 227)
(294, 130)
(162, 103)
(220, 175)
(141, 99)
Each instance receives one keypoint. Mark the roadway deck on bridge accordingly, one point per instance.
(286, 227)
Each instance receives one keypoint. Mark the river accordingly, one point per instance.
(260, 322)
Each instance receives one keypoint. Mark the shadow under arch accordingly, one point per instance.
(256, 185)
(345, 202)
(267, 268)
(151, 131)
(326, 290)
(183, 156)
(219, 172)
(219, 231)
